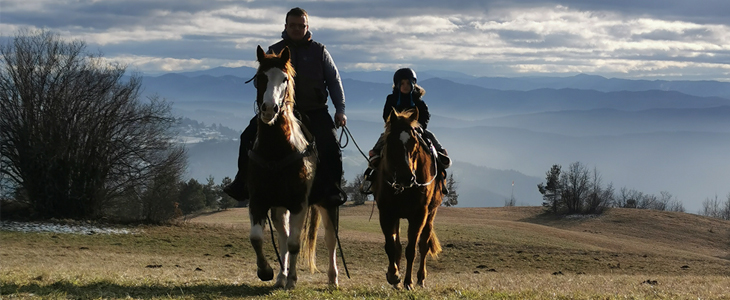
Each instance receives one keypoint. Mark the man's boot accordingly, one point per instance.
(336, 197)
(237, 189)
(443, 158)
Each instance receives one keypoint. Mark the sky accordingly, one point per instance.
(647, 39)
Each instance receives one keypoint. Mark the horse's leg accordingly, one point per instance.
(256, 236)
(415, 227)
(390, 226)
(280, 218)
(330, 238)
(296, 223)
(424, 246)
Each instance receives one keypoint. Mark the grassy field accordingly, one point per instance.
(489, 253)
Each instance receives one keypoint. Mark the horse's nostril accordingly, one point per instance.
(276, 108)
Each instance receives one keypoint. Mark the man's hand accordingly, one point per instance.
(340, 119)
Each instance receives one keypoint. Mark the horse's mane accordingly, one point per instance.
(401, 115)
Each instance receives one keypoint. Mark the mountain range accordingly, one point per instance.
(651, 136)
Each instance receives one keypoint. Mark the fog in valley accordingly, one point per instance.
(651, 136)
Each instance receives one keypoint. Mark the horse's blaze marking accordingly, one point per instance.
(405, 137)
(275, 91)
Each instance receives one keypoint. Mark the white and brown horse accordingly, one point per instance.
(281, 170)
(406, 188)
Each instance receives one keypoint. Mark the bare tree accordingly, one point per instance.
(73, 132)
(628, 198)
(576, 185)
(353, 190)
(715, 208)
(598, 197)
(668, 202)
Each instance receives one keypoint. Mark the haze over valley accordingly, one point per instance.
(650, 136)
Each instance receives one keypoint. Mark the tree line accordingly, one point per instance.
(579, 190)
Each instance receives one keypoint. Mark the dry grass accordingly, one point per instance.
(489, 253)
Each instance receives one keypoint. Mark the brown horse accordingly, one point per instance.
(281, 170)
(406, 188)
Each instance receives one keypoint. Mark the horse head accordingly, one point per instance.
(274, 84)
(404, 149)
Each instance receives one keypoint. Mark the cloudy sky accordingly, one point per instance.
(668, 39)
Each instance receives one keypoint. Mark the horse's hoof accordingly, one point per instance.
(291, 285)
(421, 283)
(392, 279)
(408, 287)
(265, 274)
(280, 281)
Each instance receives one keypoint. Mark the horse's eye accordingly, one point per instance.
(286, 79)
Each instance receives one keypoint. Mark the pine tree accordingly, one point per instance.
(551, 190)
(452, 198)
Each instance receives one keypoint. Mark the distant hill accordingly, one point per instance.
(243, 72)
(602, 84)
(635, 134)
(447, 97)
(474, 102)
(615, 122)
(702, 88)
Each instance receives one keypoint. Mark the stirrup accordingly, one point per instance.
(366, 187)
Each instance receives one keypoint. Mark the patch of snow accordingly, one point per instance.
(62, 228)
(581, 216)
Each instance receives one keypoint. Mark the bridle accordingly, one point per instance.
(400, 187)
(257, 106)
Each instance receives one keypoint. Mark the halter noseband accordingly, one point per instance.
(257, 107)
(399, 187)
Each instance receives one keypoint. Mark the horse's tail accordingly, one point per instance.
(434, 246)
(309, 239)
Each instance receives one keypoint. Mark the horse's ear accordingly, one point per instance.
(414, 115)
(392, 114)
(260, 54)
(285, 53)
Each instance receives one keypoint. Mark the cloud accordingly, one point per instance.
(494, 38)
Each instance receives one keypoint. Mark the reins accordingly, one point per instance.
(348, 135)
